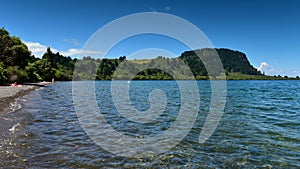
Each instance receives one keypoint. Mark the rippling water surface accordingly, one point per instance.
(259, 129)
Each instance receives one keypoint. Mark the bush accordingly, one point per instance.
(3, 77)
(15, 74)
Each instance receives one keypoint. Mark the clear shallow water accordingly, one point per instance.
(259, 129)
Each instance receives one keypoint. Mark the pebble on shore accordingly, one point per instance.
(8, 94)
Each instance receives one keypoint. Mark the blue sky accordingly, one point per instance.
(267, 31)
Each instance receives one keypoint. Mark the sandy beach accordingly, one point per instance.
(8, 94)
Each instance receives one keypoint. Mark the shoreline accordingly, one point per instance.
(8, 94)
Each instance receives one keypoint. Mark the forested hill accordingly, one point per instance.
(233, 61)
(162, 68)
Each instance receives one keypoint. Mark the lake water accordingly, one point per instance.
(259, 128)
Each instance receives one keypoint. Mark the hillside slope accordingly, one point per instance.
(162, 68)
(233, 61)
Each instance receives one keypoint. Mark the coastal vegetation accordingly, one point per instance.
(17, 64)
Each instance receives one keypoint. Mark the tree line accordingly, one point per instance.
(17, 64)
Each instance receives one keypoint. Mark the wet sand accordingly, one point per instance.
(11, 120)
(8, 94)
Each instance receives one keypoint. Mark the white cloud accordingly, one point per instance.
(72, 52)
(270, 70)
(275, 70)
(263, 66)
(37, 49)
(73, 41)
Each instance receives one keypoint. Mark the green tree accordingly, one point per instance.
(13, 52)
(15, 74)
(5, 44)
(3, 78)
(85, 69)
(33, 72)
(40, 70)
(233, 61)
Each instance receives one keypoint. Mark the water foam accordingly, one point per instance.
(15, 128)
(14, 106)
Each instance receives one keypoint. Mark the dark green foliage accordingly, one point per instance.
(15, 74)
(58, 61)
(13, 51)
(157, 69)
(14, 56)
(153, 74)
(233, 61)
(107, 67)
(52, 65)
(18, 65)
(40, 70)
(162, 68)
(194, 62)
(121, 58)
(61, 66)
(3, 76)
(85, 69)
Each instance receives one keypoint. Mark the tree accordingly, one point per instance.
(3, 78)
(49, 56)
(5, 43)
(13, 52)
(15, 74)
(233, 61)
(121, 58)
(85, 69)
(19, 56)
(41, 70)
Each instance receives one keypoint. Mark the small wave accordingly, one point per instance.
(15, 128)
(265, 108)
(267, 166)
(14, 106)
(6, 119)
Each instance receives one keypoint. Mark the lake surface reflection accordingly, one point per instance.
(259, 129)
